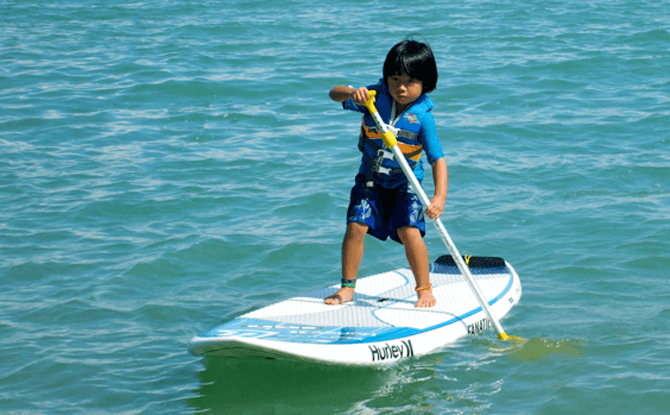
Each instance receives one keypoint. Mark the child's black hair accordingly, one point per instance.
(416, 60)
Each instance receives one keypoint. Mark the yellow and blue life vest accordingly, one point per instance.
(414, 129)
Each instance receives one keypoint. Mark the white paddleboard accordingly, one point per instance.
(380, 326)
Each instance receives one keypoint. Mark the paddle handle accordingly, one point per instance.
(391, 142)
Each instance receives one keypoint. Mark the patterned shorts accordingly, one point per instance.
(385, 210)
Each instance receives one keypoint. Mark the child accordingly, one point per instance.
(382, 202)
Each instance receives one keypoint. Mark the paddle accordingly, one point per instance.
(391, 142)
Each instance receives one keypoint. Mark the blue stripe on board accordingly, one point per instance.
(300, 333)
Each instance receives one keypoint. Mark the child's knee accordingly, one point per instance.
(356, 230)
(407, 233)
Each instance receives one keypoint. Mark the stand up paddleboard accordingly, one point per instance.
(380, 326)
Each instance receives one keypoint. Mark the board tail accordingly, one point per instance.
(471, 261)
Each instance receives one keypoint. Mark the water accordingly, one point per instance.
(169, 165)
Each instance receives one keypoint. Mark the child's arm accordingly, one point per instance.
(342, 93)
(441, 180)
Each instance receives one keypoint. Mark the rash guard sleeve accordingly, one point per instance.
(429, 139)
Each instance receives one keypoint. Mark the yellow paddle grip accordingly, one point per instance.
(387, 136)
(389, 139)
(370, 103)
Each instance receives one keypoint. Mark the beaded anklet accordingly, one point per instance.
(348, 283)
(430, 285)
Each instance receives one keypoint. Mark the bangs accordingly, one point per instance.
(414, 59)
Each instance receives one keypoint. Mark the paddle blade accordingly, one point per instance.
(513, 339)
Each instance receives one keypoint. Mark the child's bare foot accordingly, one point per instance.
(426, 298)
(343, 295)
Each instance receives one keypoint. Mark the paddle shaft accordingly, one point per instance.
(391, 142)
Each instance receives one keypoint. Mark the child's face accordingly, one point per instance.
(404, 89)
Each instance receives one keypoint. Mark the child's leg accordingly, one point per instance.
(417, 255)
(352, 254)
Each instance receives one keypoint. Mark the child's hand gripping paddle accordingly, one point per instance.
(391, 142)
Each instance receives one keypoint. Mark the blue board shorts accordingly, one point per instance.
(385, 210)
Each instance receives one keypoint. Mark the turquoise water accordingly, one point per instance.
(168, 165)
